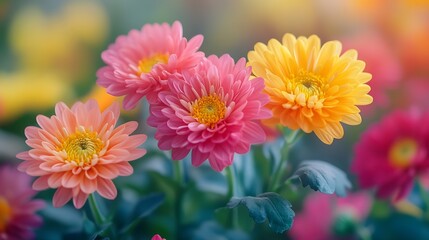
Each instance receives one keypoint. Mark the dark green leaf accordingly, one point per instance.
(322, 176)
(267, 206)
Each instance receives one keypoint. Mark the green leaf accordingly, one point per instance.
(267, 206)
(322, 176)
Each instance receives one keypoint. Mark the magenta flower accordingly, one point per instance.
(157, 237)
(328, 217)
(392, 153)
(374, 49)
(79, 151)
(17, 209)
(139, 64)
(212, 111)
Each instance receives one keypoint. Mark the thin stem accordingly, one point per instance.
(230, 181)
(178, 172)
(279, 170)
(230, 177)
(98, 217)
(178, 175)
(290, 140)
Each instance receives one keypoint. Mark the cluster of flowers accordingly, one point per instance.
(211, 107)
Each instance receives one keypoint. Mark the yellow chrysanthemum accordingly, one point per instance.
(312, 87)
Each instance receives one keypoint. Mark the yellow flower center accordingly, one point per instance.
(304, 89)
(81, 147)
(5, 214)
(208, 110)
(146, 64)
(308, 83)
(402, 152)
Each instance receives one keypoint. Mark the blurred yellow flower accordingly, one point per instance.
(312, 87)
(103, 99)
(61, 40)
(20, 94)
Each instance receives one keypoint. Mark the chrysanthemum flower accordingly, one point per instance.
(17, 209)
(327, 217)
(212, 111)
(79, 151)
(392, 153)
(311, 87)
(139, 64)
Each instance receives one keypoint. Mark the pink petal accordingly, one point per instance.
(106, 188)
(88, 186)
(124, 168)
(70, 180)
(107, 171)
(41, 183)
(79, 199)
(199, 157)
(179, 153)
(61, 197)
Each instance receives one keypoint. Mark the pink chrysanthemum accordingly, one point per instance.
(212, 111)
(328, 217)
(139, 64)
(17, 209)
(79, 151)
(392, 153)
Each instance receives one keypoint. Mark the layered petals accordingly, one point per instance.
(392, 153)
(312, 87)
(212, 112)
(139, 63)
(79, 150)
(18, 216)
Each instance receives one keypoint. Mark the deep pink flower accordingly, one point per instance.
(374, 49)
(139, 64)
(212, 111)
(79, 151)
(17, 209)
(157, 237)
(321, 212)
(392, 153)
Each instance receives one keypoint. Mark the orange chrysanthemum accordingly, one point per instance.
(312, 87)
(79, 151)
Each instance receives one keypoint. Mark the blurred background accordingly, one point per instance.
(50, 51)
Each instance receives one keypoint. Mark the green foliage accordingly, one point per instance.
(322, 176)
(267, 206)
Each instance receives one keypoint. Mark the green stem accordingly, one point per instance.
(230, 177)
(178, 172)
(178, 175)
(290, 140)
(230, 181)
(98, 217)
(280, 169)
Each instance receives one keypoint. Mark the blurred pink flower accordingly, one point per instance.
(413, 92)
(213, 111)
(139, 64)
(79, 151)
(17, 209)
(381, 62)
(324, 214)
(157, 237)
(392, 153)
